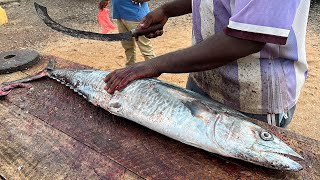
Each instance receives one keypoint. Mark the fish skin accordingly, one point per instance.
(183, 115)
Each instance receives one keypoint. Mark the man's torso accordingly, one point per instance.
(266, 82)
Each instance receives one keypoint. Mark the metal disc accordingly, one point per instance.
(17, 60)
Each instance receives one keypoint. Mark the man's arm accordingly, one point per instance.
(216, 51)
(213, 52)
(178, 8)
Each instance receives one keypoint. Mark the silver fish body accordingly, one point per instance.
(185, 116)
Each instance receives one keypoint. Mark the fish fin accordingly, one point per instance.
(5, 90)
(27, 79)
(196, 107)
(6, 87)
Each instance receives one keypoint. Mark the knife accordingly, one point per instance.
(127, 36)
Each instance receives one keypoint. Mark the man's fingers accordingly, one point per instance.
(119, 79)
(113, 79)
(107, 78)
(115, 84)
(155, 34)
(110, 84)
(151, 35)
(125, 81)
(158, 33)
(110, 81)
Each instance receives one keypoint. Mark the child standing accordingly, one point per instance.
(129, 14)
(104, 20)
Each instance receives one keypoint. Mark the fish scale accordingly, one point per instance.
(180, 114)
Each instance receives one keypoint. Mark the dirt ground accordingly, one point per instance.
(25, 30)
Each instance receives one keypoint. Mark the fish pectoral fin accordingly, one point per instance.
(197, 108)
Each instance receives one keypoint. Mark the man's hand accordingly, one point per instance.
(155, 17)
(118, 79)
(162, 13)
(103, 4)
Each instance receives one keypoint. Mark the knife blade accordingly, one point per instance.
(127, 36)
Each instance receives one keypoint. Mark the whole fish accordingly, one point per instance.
(180, 114)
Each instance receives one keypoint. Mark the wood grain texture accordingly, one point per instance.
(145, 152)
(32, 149)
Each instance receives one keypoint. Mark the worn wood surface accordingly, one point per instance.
(32, 149)
(142, 151)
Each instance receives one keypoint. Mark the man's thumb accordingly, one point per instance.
(145, 23)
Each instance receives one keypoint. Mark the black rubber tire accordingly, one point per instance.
(17, 60)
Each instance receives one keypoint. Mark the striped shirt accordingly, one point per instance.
(270, 81)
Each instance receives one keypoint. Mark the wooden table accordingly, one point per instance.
(50, 132)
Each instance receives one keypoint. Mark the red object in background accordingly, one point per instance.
(105, 22)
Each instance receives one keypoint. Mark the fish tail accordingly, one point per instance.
(6, 87)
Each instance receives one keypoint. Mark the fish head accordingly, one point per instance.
(244, 140)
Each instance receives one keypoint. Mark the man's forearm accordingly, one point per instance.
(177, 8)
(214, 52)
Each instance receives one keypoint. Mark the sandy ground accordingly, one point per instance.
(25, 30)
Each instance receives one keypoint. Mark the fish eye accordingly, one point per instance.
(266, 136)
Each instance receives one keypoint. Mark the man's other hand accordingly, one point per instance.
(119, 78)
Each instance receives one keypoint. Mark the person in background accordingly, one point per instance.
(104, 20)
(248, 54)
(129, 14)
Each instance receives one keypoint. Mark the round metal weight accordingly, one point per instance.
(17, 60)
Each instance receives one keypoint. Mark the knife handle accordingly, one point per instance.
(151, 29)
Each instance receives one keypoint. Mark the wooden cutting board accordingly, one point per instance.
(50, 132)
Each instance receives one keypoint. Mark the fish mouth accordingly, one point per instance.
(285, 159)
(291, 163)
(293, 156)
